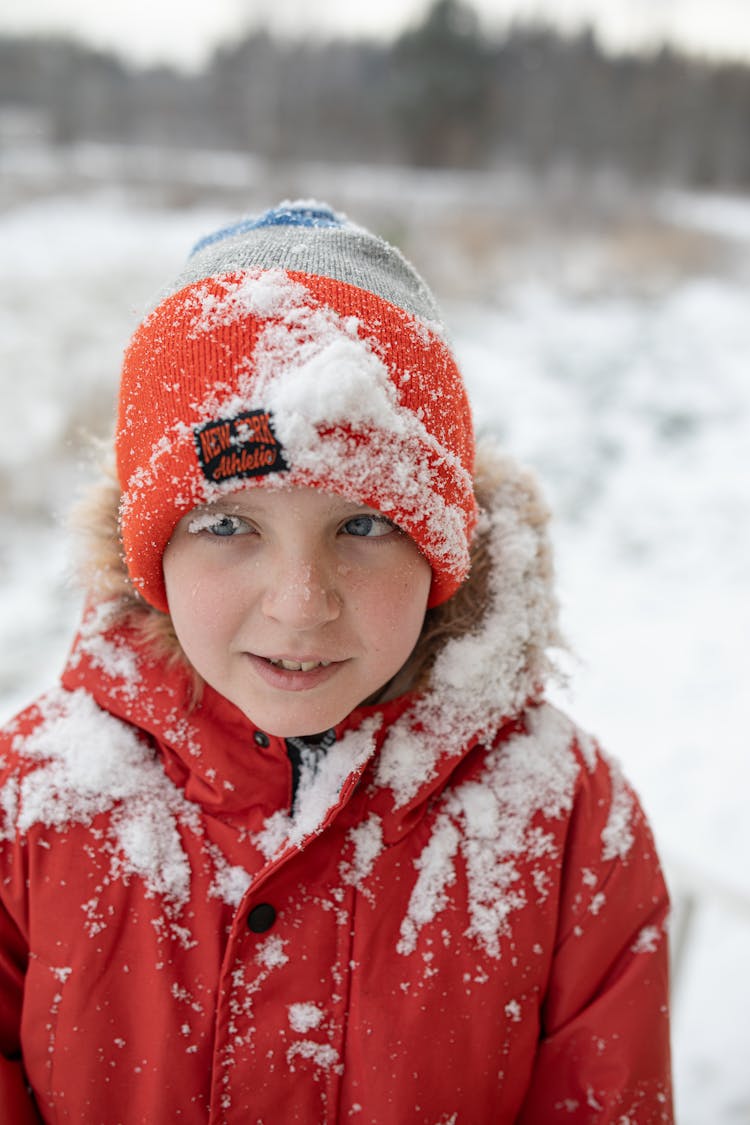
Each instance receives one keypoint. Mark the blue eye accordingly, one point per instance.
(226, 525)
(222, 526)
(368, 527)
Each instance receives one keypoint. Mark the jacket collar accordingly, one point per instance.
(230, 767)
(210, 749)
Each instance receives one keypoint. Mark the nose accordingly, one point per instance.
(300, 594)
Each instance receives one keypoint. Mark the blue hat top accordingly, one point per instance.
(316, 215)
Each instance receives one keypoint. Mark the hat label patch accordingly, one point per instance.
(243, 446)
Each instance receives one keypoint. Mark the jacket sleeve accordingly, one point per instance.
(15, 1098)
(17, 1104)
(604, 1053)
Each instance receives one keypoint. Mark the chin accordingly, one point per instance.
(293, 722)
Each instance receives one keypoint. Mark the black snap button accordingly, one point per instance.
(261, 918)
(261, 739)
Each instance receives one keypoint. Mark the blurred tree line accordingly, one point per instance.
(443, 94)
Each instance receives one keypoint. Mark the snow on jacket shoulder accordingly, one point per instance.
(463, 920)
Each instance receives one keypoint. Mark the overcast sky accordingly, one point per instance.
(185, 32)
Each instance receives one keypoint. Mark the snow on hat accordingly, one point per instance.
(295, 348)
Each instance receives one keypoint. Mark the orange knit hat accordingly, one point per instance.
(295, 349)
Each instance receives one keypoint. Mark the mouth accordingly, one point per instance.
(299, 665)
(284, 674)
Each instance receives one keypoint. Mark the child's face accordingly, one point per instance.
(302, 577)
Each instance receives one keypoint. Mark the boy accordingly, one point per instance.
(298, 838)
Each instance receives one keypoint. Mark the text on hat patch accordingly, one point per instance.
(243, 446)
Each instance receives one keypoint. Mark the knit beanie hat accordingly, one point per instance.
(295, 348)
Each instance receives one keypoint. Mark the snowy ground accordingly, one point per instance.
(631, 397)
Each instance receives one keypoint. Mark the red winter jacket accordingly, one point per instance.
(469, 933)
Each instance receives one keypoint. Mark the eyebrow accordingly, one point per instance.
(262, 498)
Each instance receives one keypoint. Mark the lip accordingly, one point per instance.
(287, 680)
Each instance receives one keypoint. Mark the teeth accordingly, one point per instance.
(300, 666)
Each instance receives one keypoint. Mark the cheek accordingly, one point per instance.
(396, 605)
(195, 610)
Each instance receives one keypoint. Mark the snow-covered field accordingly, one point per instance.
(630, 394)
